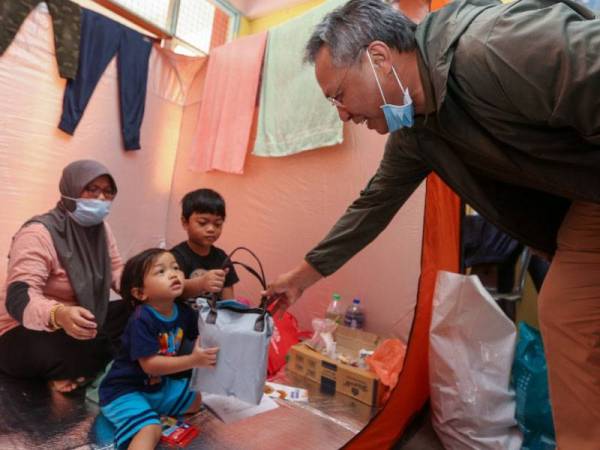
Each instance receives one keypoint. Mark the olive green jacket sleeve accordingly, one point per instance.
(397, 177)
(535, 66)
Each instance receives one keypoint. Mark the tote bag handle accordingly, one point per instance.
(259, 325)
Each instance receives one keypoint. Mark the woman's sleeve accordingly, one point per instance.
(30, 263)
(116, 262)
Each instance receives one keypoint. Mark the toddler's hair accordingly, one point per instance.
(134, 272)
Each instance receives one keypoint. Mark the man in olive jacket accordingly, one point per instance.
(502, 101)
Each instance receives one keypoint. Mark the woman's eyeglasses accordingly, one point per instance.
(94, 190)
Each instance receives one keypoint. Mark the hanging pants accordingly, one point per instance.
(66, 22)
(569, 313)
(101, 39)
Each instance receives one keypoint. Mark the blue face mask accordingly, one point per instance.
(396, 116)
(89, 211)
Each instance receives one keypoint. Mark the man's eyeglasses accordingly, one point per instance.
(335, 100)
(94, 190)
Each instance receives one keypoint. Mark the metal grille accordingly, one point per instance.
(155, 11)
(195, 23)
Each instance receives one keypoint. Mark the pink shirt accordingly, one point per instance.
(33, 260)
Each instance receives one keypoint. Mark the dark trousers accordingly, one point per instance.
(66, 24)
(27, 353)
(101, 39)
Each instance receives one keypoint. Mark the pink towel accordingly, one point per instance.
(228, 105)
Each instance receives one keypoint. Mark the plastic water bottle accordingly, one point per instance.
(334, 310)
(354, 317)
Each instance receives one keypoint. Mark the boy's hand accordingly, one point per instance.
(204, 357)
(214, 280)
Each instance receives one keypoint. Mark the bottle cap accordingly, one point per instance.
(336, 297)
(356, 301)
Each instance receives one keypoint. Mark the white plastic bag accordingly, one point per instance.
(472, 344)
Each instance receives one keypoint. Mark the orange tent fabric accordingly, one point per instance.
(441, 251)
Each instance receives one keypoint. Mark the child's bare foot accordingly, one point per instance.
(65, 386)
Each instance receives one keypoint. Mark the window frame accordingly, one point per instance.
(169, 33)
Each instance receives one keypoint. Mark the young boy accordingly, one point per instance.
(202, 217)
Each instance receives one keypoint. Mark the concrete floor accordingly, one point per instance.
(420, 435)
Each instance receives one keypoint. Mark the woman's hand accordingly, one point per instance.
(77, 322)
(204, 357)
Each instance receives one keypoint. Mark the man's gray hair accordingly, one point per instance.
(352, 27)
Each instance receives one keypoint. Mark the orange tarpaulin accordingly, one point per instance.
(440, 252)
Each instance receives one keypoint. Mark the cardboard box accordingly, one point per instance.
(334, 376)
(305, 362)
(350, 341)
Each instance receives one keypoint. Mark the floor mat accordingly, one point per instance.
(33, 416)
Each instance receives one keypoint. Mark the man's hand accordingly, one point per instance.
(77, 322)
(288, 288)
(204, 357)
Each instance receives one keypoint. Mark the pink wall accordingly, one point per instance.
(33, 151)
(281, 207)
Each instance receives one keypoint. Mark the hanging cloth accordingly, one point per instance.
(101, 39)
(293, 113)
(228, 105)
(66, 24)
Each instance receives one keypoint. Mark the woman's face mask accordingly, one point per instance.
(396, 116)
(89, 211)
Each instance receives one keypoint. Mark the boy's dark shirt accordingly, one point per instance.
(189, 261)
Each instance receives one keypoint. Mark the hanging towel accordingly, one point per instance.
(228, 103)
(293, 113)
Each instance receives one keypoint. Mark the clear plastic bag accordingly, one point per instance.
(322, 339)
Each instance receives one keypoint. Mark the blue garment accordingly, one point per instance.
(396, 116)
(131, 412)
(101, 39)
(89, 211)
(147, 333)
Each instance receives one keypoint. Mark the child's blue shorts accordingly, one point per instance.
(131, 412)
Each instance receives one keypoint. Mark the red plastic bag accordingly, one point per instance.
(285, 335)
